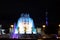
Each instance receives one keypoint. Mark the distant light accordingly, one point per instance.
(12, 26)
(58, 37)
(44, 26)
(44, 36)
(3, 31)
(59, 25)
(34, 31)
(39, 30)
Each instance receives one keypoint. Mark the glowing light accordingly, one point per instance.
(59, 25)
(3, 31)
(15, 36)
(39, 30)
(44, 36)
(58, 37)
(34, 30)
(25, 24)
(12, 26)
(10, 30)
(44, 26)
(16, 31)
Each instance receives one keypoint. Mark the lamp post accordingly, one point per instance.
(43, 27)
(43, 33)
(11, 28)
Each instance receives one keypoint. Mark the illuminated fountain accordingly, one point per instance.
(25, 25)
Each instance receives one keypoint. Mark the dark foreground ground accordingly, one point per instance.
(30, 39)
(6, 37)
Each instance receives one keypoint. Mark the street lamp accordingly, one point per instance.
(59, 25)
(43, 26)
(12, 26)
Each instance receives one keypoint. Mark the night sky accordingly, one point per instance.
(10, 11)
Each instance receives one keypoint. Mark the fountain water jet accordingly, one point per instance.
(25, 25)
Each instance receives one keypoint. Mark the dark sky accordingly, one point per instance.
(10, 11)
